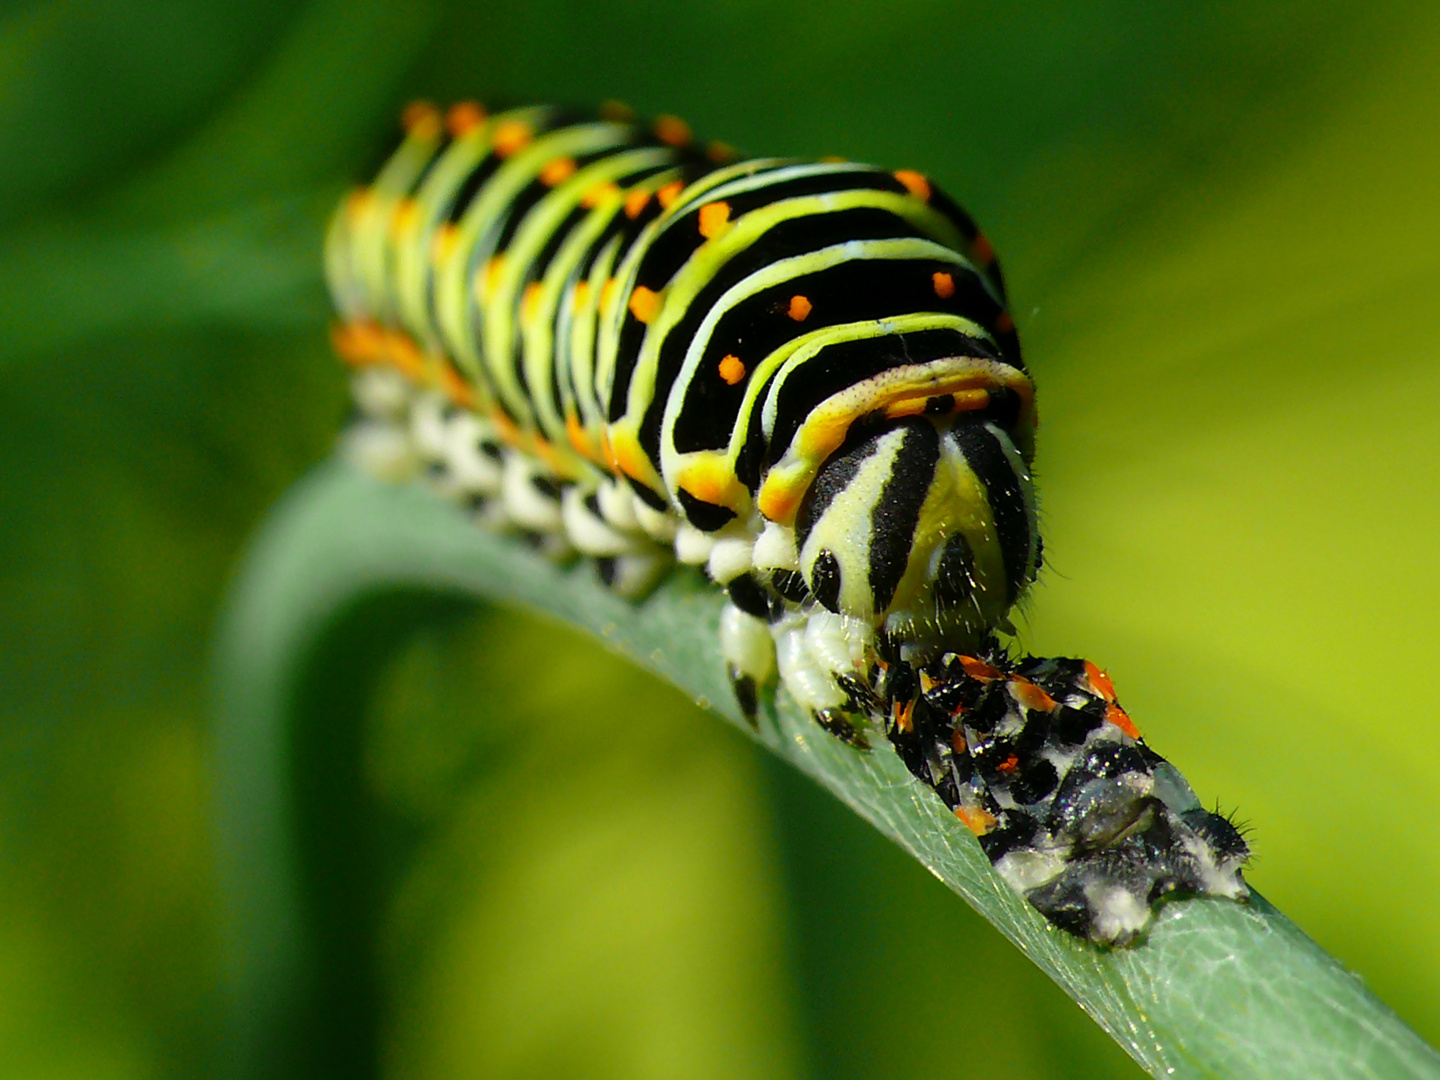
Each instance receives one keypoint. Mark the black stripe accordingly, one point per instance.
(834, 477)
(1008, 509)
(894, 517)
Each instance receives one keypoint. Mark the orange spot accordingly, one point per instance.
(1118, 717)
(581, 294)
(779, 502)
(944, 284)
(358, 344)
(635, 202)
(607, 451)
(957, 741)
(531, 300)
(644, 304)
(1009, 765)
(799, 308)
(617, 111)
(720, 152)
(421, 120)
(578, 439)
(670, 192)
(984, 253)
(713, 219)
(904, 711)
(979, 669)
(510, 136)
(598, 194)
(914, 183)
(490, 275)
(357, 202)
(505, 427)
(443, 245)
(406, 355)
(455, 386)
(464, 117)
(626, 456)
(977, 819)
(732, 369)
(1031, 696)
(407, 213)
(557, 171)
(672, 130)
(1004, 323)
(1099, 681)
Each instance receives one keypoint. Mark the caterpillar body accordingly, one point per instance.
(799, 375)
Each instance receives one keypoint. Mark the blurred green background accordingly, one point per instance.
(1221, 227)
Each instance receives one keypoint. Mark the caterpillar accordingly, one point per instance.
(800, 376)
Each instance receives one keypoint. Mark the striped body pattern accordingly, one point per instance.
(798, 375)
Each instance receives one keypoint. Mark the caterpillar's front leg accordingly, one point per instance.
(749, 653)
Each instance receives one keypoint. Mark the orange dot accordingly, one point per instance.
(1009, 765)
(1117, 716)
(421, 120)
(598, 194)
(617, 111)
(732, 369)
(464, 117)
(1031, 696)
(1100, 682)
(531, 300)
(914, 183)
(720, 152)
(510, 136)
(978, 669)
(644, 304)
(1004, 323)
(635, 202)
(944, 284)
(670, 192)
(977, 819)
(984, 253)
(903, 716)
(799, 309)
(443, 245)
(957, 740)
(713, 219)
(672, 130)
(557, 171)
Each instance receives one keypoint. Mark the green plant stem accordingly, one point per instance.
(1217, 990)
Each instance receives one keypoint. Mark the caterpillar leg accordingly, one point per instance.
(819, 667)
(749, 653)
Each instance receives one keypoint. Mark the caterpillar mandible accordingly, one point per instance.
(802, 377)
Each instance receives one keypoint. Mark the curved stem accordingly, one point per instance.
(1217, 990)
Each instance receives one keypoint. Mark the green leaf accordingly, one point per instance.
(1218, 989)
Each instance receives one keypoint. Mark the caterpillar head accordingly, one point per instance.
(926, 525)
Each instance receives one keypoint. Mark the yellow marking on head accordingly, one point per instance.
(463, 118)
(635, 202)
(421, 120)
(914, 183)
(944, 284)
(670, 192)
(557, 171)
(800, 308)
(644, 304)
(711, 482)
(672, 130)
(732, 369)
(530, 301)
(511, 135)
(714, 219)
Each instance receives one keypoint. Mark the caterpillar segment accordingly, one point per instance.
(799, 376)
